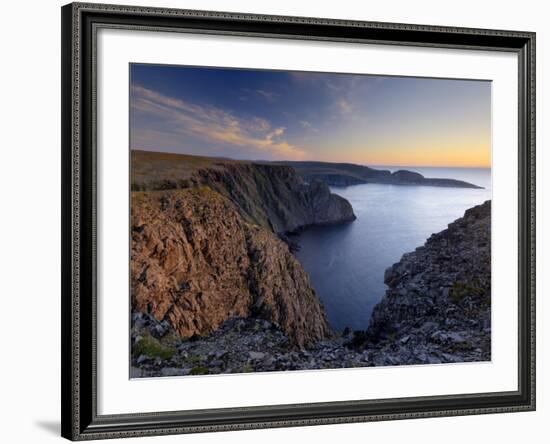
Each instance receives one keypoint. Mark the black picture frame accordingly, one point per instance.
(79, 390)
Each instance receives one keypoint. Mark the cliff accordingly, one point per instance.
(346, 174)
(438, 304)
(196, 262)
(276, 197)
(436, 310)
(271, 196)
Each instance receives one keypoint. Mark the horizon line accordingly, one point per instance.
(377, 165)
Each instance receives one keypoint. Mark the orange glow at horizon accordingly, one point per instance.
(467, 158)
(468, 150)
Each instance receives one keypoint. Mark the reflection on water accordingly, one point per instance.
(346, 263)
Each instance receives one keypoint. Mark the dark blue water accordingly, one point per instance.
(346, 263)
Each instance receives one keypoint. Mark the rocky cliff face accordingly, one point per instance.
(276, 197)
(206, 243)
(196, 262)
(272, 196)
(438, 305)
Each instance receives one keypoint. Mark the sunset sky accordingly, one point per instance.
(284, 115)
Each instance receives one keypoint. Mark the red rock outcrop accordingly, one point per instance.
(196, 262)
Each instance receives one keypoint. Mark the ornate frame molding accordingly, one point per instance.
(80, 22)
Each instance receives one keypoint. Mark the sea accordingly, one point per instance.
(346, 262)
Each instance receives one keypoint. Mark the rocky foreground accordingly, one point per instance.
(240, 345)
(438, 305)
(436, 310)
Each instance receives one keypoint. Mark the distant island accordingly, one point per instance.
(346, 174)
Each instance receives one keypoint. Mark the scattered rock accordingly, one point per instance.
(142, 358)
(256, 356)
(438, 305)
(171, 371)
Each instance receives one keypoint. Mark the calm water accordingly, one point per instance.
(346, 263)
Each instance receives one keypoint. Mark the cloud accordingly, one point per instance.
(344, 106)
(211, 124)
(260, 124)
(268, 95)
(308, 126)
(276, 132)
(343, 92)
(334, 86)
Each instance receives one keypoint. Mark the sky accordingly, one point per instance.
(292, 115)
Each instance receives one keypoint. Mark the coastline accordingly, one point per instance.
(176, 326)
(416, 323)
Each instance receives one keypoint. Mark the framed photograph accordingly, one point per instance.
(281, 221)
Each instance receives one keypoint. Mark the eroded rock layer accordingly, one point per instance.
(197, 262)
